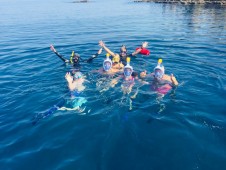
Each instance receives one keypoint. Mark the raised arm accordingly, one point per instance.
(174, 80)
(71, 84)
(95, 55)
(138, 50)
(101, 43)
(58, 54)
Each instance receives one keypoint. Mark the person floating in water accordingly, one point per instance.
(75, 58)
(162, 83)
(107, 72)
(76, 87)
(75, 100)
(111, 67)
(142, 50)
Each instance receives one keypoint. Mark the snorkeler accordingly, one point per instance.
(123, 52)
(75, 58)
(162, 83)
(142, 50)
(73, 102)
(109, 67)
(128, 81)
(76, 87)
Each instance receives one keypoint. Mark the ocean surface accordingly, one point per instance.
(184, 130)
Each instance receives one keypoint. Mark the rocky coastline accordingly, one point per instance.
(218, 2)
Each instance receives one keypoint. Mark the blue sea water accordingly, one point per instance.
(184, 130)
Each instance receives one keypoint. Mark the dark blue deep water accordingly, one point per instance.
(186, 130)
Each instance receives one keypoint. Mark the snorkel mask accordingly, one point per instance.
(128, 70)
(107, 64)
(74, 58)
(159, 70)
(158, 73)
(77, 75)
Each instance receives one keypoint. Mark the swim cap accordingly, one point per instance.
(116, 59)
(77, 75)
(107, 64)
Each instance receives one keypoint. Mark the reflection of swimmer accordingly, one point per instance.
(75, 58)
(162, 83)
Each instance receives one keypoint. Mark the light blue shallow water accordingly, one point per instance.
(189, 132)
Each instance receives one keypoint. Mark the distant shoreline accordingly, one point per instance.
(80, 1)
(218, 2)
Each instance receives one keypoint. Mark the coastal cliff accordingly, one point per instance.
(220, 2)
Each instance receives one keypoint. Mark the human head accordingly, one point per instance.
(123, 51)
(77, 75)
(128, 70)
(107, 64)
(144, 44)
(75, 57)
(159, 72)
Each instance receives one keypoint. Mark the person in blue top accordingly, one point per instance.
(74, 101)
(76, 86)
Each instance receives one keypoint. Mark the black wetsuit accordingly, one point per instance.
(78, 61)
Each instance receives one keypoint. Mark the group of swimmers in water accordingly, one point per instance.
(115, 64)
(120, 63)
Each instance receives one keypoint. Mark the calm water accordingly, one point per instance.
(185, 130)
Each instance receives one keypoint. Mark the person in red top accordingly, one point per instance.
(142, 50)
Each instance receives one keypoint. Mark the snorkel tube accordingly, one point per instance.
(72, 55)
(107, 64)
(128, 70)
